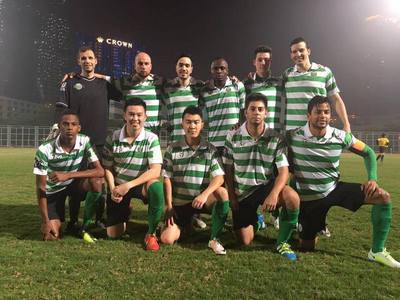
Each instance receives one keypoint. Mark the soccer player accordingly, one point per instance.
(147, 86)
(262, 81)
(89, 96)
(383, 143)
(193, 179)
(57, 169)
(132, 159)
(179, 93)
(250, 154)
(315, 151)
(302, 82)
(223, 101)
(305, 80)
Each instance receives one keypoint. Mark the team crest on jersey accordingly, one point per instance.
(228, 89)
(38, 164)
(314, 74)
(78, 86)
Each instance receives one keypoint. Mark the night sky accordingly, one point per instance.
(362, 54)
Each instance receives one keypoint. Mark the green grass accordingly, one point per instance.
(71, 269)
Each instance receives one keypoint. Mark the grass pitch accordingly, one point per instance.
(71, 269)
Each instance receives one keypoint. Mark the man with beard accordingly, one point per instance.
(314, 151)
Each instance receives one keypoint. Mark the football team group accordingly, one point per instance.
(268, 145)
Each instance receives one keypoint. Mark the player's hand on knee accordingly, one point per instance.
(270, 202)
(122, 189)
(169, 216)
(199, 201)
(115, 196)
(369, 188)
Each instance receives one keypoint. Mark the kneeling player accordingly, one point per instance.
(132, 158)
(250, 154)
(315, 150)
(193, 179)
(57, 162)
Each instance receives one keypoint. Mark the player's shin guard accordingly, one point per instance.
(381, 217)
(156, 205)
(91, 200)
(287, 223)
(218, 217)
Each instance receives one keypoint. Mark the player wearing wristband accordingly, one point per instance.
(314, 151)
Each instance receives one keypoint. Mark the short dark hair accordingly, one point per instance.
(135, 101)
(317, 100)
(84, 49)
(262, 49)
(68, 111)
(192, 110)
(219, 58)
(183, 54)
(299, 40)
(256, 97)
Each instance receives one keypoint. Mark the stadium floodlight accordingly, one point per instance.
(393, 7)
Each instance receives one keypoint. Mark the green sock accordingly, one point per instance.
(287, 223)
(381, 217)
(218, 217)
(156, 206)
(275, 213)
(90, 207)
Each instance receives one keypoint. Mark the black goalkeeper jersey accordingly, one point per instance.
(90, 99)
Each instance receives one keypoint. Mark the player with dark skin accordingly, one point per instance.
(90, 179)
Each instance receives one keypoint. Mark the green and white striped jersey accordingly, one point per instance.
(150, 90)
(301, 87)
(190, 169)
(316, 160)
(129, 161)
(222, 107)
(271, 87)
(253, 160)
(51, 157)
(177, 98)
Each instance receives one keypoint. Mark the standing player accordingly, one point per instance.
(223, 101)
(261, 81)
(146, 86)
(305, 80)
(250, 154)
(383, 143)
(188, 166)
(179, 93)
(89, 96)
(315, 150)
(302, 82)
(57, 165)
(132, 158)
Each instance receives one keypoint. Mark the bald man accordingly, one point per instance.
(146, 86)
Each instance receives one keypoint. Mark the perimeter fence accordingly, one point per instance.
(33, 136)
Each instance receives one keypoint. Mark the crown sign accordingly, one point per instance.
(100, 39)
